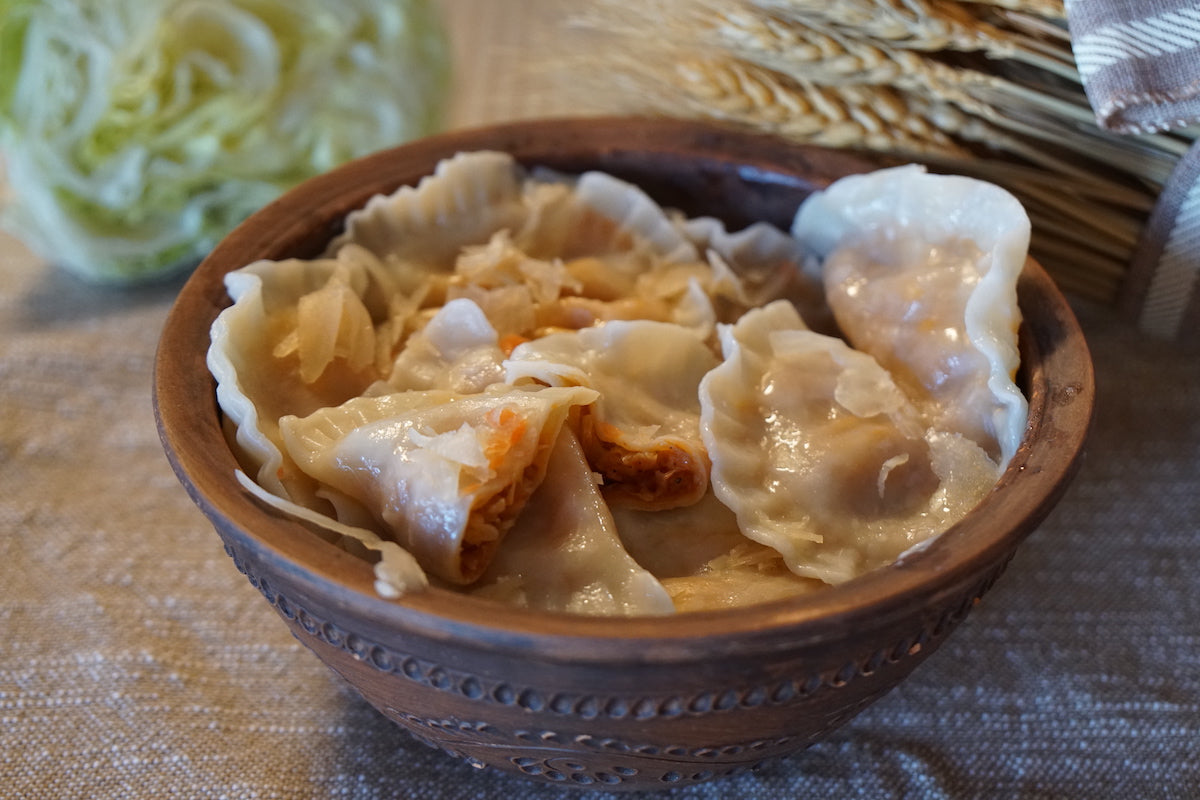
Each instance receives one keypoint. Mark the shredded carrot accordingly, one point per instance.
(506, 428)
(660, 477)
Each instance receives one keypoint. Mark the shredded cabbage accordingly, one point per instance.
(136, 133)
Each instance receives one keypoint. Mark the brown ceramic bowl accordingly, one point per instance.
(612, 703)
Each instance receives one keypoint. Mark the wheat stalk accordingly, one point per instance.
(922, 25)
(851, 117)
(986, 87)
(1047, 9)
(833, 58)
(867, 117)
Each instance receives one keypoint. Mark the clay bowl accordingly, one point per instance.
(612, 703)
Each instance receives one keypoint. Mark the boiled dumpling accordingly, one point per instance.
(642, 433)
(467, 199)
(748, 574)
(703, 559)
(445, 475)
(707, 443)
(821, 456)
(299, 336)
(564, 554)
(756, 265)
(599, 215)
(473, 196)
(678, 542)
(921, 272)
(592, 249)
(457, 350)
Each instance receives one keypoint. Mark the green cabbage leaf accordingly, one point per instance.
(136, 133)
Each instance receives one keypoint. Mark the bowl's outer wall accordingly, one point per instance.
(631, 725)
(604, 702)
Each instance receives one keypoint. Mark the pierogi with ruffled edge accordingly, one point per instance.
(550, 391)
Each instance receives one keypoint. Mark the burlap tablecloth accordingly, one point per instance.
(135, 662)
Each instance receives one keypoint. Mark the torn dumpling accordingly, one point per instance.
(299, 336)
(643, 432)
(445, 475)
(564, 553)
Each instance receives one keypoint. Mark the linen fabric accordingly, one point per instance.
(136, 662)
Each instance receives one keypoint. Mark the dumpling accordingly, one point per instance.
(618, 255)
(445, 475)
(467, 199)
(599, 215)
(473, 196)
(300, 335)
(564, 554)
(756, 265)
(821, 456)
(703, 559)
(748, 574)
(921, 272)
(642, 433)
(457, 350)
(681, 541)
(524, 297)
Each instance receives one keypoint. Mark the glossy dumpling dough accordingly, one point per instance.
(597, 214)
(643, 432)
(457, 350)
(758, 264)
(564, 553)
(444, 474)
(821, 456)
(748, 574)
(300, 335)
(304, 334)
(473, 196)
(702, 558)
(921, 272)
(468, 198)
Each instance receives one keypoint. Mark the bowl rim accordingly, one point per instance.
(187, 418)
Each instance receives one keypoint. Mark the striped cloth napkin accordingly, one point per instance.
(1140, 65)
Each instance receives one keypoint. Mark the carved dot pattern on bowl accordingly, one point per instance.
(581, 759)
(586, 706)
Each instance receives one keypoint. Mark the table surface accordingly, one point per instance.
(135, 662)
